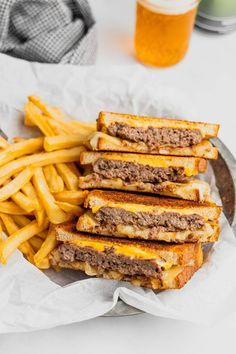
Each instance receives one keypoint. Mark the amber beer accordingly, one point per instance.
(163, 30)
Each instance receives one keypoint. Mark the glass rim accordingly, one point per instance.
(174, 7)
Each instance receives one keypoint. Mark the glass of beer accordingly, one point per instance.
(163, 30)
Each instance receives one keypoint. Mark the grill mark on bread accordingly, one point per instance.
(156, 137)
(169, 221)
(133, 171)
(109, 260)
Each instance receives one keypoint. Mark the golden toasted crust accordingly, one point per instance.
(68, 233)
(120, 197)
(87, 223)
(190, 259)
(104, 142)
(195, 190)
(193, 164)
(106, 118)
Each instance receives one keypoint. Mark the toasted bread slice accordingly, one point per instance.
(195, 190)
(104, 142)
(140, 203)
(106, 118)
(192, 165)
(174, 264)
(87, 223)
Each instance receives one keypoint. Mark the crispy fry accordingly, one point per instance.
(18, 139)
(72, 166)
(54, 213)
(48, 245)
(36, 242)
(36, 117)
(54, 181)
(72, 197)
(44, 264)
(1, 232)
(41, 159)
(78, 124)
(71, 208)
(22, 220)
(16, 184)
(16, 239)
(11, 208)
(60, 128)
(52, 112)
(4, 144)
(70, 179)
(39, 212)
(14, 151)
(23, 246)
(25, 202)
(28, 190)
(52, 143)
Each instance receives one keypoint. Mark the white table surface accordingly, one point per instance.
(208, 74)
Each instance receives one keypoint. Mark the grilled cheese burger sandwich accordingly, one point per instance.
(164, 175)
(148, 264)
(128, 215)
(130, 133)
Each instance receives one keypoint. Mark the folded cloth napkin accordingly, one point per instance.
(48, 31)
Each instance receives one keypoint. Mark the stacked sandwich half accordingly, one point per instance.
(130, 230)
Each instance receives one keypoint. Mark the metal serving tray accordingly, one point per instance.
(225, 175)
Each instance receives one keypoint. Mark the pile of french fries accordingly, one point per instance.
(39, 182)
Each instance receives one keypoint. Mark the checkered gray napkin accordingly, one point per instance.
(49, 31)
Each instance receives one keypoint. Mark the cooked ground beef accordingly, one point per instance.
(168, 221)
(156, 137)
(135, 172)
(109, 260)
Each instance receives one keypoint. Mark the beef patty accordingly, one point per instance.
(156, 137)
(109, 260)
(136, 172)
(168, 221)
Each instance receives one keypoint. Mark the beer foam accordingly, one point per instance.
(174, 7)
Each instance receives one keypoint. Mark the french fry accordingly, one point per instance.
(47, 247)
(52, 112)
(15, 240)
(36, 242)
(71, 208)
(60, 128)
(28, 190)
(38, 160)
(54, 181)
(1, 232)
(22, 220)
(72, 197)
(18, 139)
(14, 151)
(23, 246)
(11, 208)
(54, 213)
(58, 142)
(70, 179)
(78, 124)
(24, 202)
(35, 116)
(72, 166)
(16, 184)
(4, 144)
(39, 212)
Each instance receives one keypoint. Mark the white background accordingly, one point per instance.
(208, 75)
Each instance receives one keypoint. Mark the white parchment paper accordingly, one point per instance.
(30, 299)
